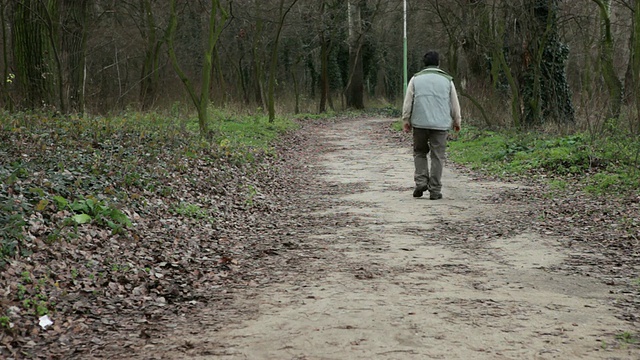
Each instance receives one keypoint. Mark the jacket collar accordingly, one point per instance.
(435, 70)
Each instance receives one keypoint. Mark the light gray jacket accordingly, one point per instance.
(431, 101)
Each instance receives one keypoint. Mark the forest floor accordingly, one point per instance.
(362, 270)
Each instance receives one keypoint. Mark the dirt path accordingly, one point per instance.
(404, 289)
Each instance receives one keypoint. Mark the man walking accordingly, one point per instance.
(431, 108)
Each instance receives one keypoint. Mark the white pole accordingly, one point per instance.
(405, 19)
(404, 61)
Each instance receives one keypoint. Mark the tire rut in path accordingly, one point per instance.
(402, 288)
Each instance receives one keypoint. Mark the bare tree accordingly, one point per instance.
(274, 57)
(217, 17)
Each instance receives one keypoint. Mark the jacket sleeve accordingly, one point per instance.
(455, 107)
(407, 107)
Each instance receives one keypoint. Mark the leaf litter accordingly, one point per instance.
(154, 236)
(207, 225)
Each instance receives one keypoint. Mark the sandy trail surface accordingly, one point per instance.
(395, 285)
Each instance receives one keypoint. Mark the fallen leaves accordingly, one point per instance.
(239, 225)
(205, 225)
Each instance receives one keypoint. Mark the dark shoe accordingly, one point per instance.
(419, 190)
(435, 196)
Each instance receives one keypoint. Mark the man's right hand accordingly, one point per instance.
(406, 127)
(456, 128)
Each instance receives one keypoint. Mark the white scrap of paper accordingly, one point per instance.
(45, 321)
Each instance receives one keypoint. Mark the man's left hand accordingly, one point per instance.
(406, 127)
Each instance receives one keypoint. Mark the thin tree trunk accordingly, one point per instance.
(355, 84)
(257, 64)
(52, 16)
(274, 60)
(296, 91)
(324, 72)
(150, 77)
(629, 83)
(201, 101)
(636, 60)
(217, 77)
(516, 112)
(7, 102)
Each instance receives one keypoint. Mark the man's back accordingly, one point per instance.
(431, 100)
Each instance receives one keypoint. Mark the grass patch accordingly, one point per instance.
(606, 165)
(626, 338)
(189, 210)
(255, 132)
(397, 125)
(481, 150)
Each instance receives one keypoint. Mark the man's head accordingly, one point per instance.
(431, 58)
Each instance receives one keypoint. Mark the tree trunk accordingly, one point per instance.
(613, 83)
(7, 102)
(545, 91)
(52, 13)
(217, 78)
(313, 75)
(635, 69)
(274, 60)
(149, 77)
(355, 84)
(34, 73)
(381, 81)
(258, 72)
(74, 45)
(296, 91)
(324, 72)
(629, 83)
(201, 101)
(516, 112)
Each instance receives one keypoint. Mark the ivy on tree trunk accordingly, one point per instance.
(545, 91)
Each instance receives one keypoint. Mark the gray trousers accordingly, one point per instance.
(434, 143)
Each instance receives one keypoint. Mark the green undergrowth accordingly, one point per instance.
(377, 110)
(58, 173)
(608, 164)
(247, 131)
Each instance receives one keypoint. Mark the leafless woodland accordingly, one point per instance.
(574, 63)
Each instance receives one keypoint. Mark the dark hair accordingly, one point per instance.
(431, 58)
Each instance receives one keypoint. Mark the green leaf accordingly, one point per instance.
(61, 202)
(119, 217)
(81, 219)
(91, 205)
(42, 204)
(79, 206)
(37, 191)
